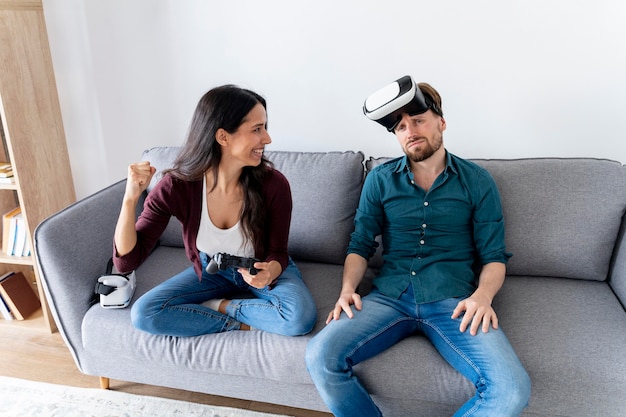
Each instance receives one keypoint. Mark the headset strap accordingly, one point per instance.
(107, 289)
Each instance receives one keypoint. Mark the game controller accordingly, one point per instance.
(222, 261)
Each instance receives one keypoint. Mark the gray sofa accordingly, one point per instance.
(562, 304)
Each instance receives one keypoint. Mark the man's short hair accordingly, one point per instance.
(433, 95)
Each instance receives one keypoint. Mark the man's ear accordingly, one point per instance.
(443, 124)
(221, 136)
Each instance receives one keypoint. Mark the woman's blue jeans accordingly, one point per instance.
(487, 359)
(173, 307)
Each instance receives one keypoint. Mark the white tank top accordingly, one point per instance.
(211, 239)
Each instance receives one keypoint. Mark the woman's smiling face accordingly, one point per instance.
(247, 144)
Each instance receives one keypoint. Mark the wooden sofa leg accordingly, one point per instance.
(104, 382)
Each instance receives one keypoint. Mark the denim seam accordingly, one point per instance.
(464, 357)
(368, 339)
(167, 302)
(362, 343)
(452, 345)
(227, 320)
(208, 313)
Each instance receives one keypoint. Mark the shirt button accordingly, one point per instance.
(424, 226)
(413, 273)
(425, 203)
(422, 242)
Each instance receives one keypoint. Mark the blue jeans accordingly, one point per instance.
(173, 307)
(487, 359)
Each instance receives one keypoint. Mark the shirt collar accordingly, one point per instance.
(403, 164)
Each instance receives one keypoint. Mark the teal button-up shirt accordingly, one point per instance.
(435, 240)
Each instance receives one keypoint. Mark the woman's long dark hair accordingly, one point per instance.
(225, 108)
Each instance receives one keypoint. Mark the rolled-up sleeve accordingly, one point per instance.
(489, 222)
(368, 219)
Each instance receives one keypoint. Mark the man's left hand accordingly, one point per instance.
(478, 313)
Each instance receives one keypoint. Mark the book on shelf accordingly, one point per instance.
(4, 308)
(6, 173)
(6, 170)
(20, 235)
(14, 234)
(19, 296)
(26, 250)
(8, 231)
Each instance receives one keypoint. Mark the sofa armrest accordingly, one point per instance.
(617, 277)
(73, 247)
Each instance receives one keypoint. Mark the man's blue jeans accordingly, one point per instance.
(487, 359)
(173, 307)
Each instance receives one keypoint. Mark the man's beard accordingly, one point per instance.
(426, 151)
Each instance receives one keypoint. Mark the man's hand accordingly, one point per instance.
(478, 313)
(346, 299)
(353, 270)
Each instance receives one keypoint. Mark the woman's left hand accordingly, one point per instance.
(267, 272)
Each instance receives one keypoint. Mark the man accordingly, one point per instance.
(439, 217)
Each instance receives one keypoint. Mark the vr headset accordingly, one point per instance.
(115, 290)
(387, 105)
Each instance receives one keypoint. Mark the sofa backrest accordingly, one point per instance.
(562, 216)
(325, 189)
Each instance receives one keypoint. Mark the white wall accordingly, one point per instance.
(518, 79)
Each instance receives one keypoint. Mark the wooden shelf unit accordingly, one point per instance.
(33, 138)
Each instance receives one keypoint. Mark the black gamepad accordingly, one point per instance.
(222, 261)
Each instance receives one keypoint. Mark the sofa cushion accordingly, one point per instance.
(256, 354)
(562, 216)
(325, 189)
(248, 354)
(563, 314)
(571, 337)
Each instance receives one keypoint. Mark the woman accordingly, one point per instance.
(229, 199)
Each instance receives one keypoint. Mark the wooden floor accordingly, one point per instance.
(29, 351)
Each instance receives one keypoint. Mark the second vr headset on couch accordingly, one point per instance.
(387, 105)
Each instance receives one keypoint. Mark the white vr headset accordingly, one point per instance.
(116, 290)
(387, 105)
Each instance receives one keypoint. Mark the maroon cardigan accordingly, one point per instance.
(183, 200)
